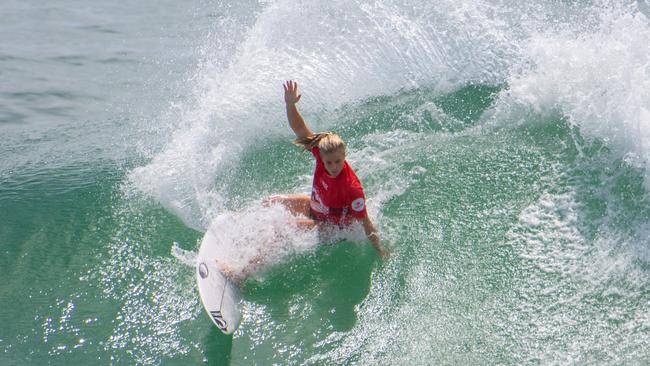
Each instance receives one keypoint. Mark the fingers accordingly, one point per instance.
(291, 91)
(290, 86)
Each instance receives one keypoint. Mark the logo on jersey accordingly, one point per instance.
(324, 184)
(358, 205)
(316, 204)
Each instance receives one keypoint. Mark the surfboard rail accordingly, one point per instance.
(220, 297)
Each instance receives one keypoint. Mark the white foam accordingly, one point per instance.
(258, 232)
(187, 257)
(599, 79)
(381, 155)
(340, 53)
(592, 65)
(549, 236)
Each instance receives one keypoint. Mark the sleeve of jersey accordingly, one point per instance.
(357, 203)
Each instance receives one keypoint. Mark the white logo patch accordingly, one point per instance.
(358, 204)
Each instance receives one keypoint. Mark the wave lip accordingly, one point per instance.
(599, 80)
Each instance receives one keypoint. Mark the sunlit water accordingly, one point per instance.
(503, 147)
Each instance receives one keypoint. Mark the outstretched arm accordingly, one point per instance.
(373, 236)
(291, 97)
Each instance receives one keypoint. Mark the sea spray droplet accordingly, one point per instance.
(257, 232)
(187, 257)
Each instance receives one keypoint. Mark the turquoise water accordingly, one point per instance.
(503, 148)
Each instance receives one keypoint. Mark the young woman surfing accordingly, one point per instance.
(337, 197)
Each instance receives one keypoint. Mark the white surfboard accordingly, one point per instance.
(220, 297)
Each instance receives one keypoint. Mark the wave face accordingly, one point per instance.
(503, 147)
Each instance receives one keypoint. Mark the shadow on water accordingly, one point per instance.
(323, 287)
(218, 347)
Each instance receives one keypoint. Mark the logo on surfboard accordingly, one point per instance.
(219, 320)
(203, 270)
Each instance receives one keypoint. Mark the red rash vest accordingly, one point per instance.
(336, 200)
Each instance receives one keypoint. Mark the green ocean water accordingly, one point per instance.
(512, 195)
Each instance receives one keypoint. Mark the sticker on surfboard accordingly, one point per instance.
(220, 297)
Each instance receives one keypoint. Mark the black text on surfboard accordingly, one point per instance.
(218, 320)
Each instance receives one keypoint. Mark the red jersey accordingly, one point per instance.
(336, 200)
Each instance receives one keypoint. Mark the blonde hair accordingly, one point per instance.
(327, 142)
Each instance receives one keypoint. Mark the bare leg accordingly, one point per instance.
(298, 204)
(306, 224)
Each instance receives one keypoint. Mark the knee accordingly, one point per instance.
(272, 199)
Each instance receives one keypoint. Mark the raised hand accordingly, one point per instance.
(291, 95)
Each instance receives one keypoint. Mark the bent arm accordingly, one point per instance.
(296, 122)
(373, 236)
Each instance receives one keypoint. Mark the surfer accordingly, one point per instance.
(337, 198)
